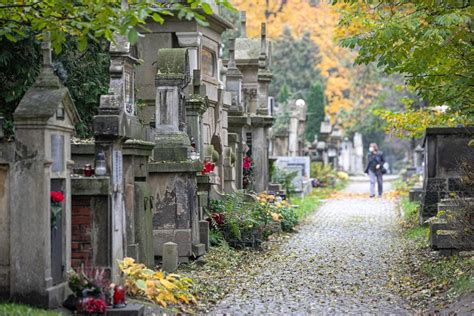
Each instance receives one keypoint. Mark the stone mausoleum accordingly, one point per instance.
(139, 183)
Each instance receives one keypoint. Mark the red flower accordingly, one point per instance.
(208, 167)
(57, 197)
(247, 162)
(91, 305)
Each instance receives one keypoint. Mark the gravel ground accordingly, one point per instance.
(337, 263)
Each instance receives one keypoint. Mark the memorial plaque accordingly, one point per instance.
(208, 65)
(117, 165)
(57, 152)
(128, 82)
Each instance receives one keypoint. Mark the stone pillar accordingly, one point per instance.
(172, 175)
(115, 123)
(418, 158)
(40, 232)
(196, 105)
(237, 120)
(138, 201)
(293, 136)
(358, 153)
(346, 155)
(264, 75)
(233, 77)
(230, 174)
(260, 157)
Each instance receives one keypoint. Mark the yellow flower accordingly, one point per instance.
(275, 216)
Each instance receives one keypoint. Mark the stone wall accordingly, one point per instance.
(4, 230)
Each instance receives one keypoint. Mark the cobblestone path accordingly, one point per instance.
(337, 263)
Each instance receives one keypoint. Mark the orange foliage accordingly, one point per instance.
(321, 21)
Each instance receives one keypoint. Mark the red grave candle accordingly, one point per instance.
(119, 296)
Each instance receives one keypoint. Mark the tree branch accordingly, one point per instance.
(10, 6)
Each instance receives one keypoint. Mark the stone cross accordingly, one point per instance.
(262, 59)
(243, 24)
(231, 53)
(46, 50)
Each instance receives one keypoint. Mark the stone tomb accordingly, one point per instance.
(447, 153)
(37, 247)
(173, 174)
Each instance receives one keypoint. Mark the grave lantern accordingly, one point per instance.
(40, 222)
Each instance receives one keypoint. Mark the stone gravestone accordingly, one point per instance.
(302, 166)
(40, 231)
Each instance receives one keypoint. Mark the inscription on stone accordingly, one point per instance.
(117, 171)
(57, 152)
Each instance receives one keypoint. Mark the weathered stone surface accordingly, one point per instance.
(204, 233)
(4, 231)
(170, 257)
(199, 250)
(159, 238)
(90, 185)
(183, 238)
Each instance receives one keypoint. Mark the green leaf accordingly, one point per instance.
(82, 44)
(141, 284)
(206, 8)
(132, 36)
(157, 18)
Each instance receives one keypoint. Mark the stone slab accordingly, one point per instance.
(90, 185)
(129, 310)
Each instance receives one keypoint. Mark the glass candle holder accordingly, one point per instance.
(100, 169)
(119, 296)
(87, 170)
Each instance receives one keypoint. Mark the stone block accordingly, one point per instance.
(204, 233)
(170, 257)
(182, 237)
(199, 250)
(129, 310)
(159, 238)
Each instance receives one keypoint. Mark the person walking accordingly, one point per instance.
(375, 169)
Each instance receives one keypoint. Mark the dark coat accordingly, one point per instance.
(374, 160)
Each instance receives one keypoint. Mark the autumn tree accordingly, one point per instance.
(294, 63)
(431, 44)
(315, 114)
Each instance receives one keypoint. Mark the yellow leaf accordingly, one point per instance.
(167, 284)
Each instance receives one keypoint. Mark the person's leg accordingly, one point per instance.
(372, 176)
(380, 183)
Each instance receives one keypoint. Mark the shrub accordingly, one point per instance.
(324, 174)
(279, 210)
(285, 178)
(242, 222)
